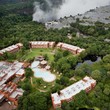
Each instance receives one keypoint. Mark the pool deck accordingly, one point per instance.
(45, 77)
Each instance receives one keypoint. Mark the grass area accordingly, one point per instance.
(95, 108)
(41, 51)
(42, 85)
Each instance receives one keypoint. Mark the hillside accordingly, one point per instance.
(101, 14)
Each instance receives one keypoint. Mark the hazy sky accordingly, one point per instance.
(67, 8)
(73, 7)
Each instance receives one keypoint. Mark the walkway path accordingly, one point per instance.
(42, 90)
(37, 88)
(31, 82)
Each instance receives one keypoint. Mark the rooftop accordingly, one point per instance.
(10, 91)
(18, 92)
(39, 42)
(72, 90)
(69, 46)
(10, 48)
(20, 72)
(43, 62)
(7, 70)
(56, 98)
(1, 96)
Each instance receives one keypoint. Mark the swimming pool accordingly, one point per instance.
(42, 73)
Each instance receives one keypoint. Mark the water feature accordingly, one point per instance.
(42, 73)
(89, 60)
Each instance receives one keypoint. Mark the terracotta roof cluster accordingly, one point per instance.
(7, 72)
(12, 48)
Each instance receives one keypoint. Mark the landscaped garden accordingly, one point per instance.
(46, 52)
(37, 82)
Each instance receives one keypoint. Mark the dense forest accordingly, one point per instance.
(16, 25)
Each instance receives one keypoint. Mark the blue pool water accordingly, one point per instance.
(42, 73)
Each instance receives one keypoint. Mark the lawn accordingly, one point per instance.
(41, 51)
(42, 85)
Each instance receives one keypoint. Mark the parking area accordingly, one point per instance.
(7, 106)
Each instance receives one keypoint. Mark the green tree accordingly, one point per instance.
(72, 60)
(106, 59)
(58, 55)
(33, 101)
(46, 57)
(64, 80)
(96, 74)
(28, 72)
(66, 53)
(107, 91)
(27, 86)
(80, 99)
(108, 74)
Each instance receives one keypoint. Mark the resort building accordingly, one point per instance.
(39, 58)
(26, 64)
(9, 90)
(10, 70)
(68, 93)
(1, 53)
(64, 46)
(42, 44)
(12, 49)
(71, 48)
(43, 64)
